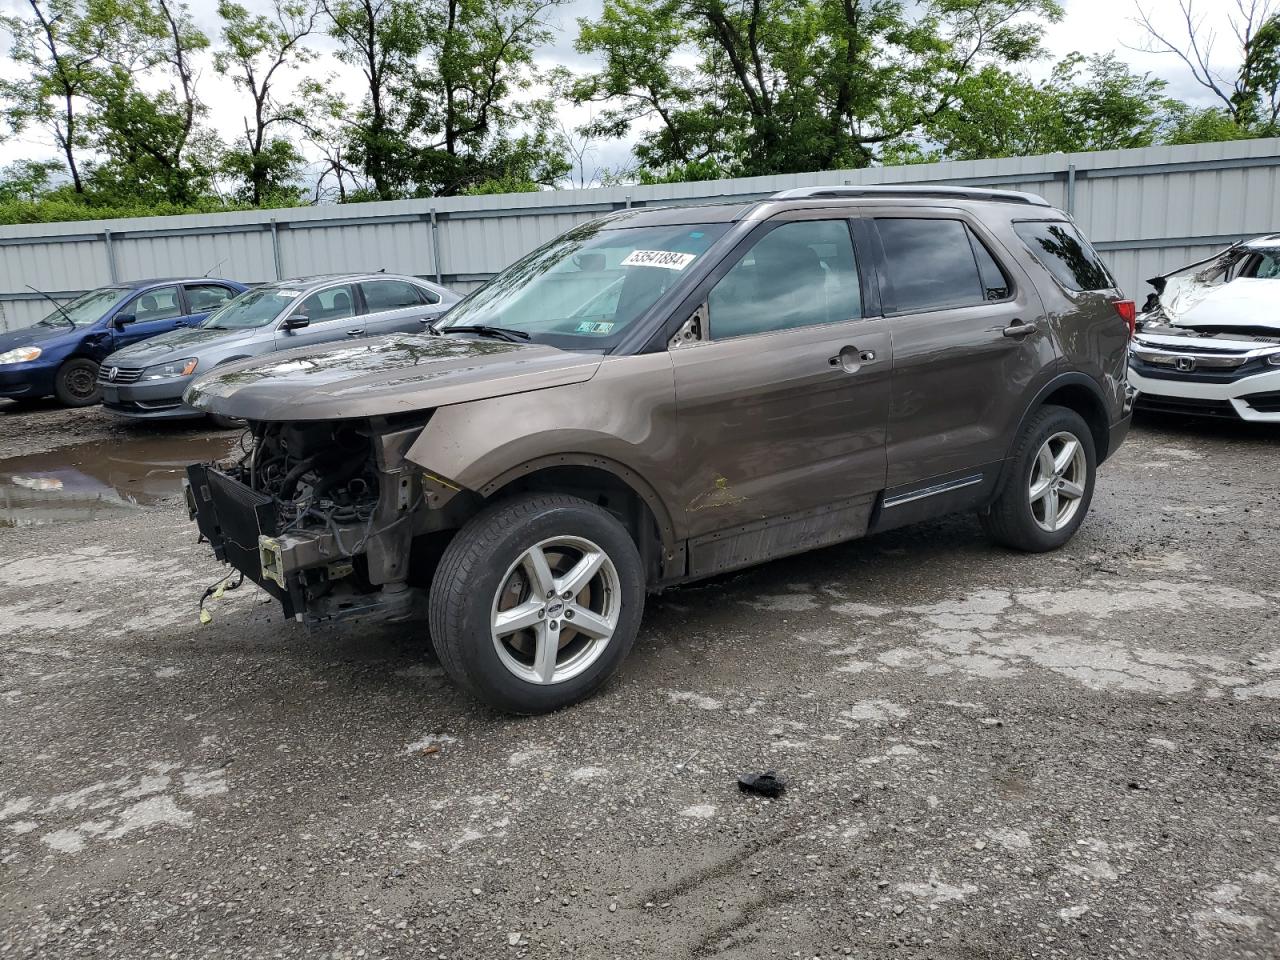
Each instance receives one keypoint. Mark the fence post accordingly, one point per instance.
(435, 246)
(275, 248)
(112, 271)
(1071, 189)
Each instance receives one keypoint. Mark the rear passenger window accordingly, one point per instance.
(206, 297)
(390, 295)
(800, 274)
(1064, 253)
(335, 303)
(995, 285)
(931, 265)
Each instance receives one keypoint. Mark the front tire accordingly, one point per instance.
(1049, 485)
(76, 383)
(536, 602)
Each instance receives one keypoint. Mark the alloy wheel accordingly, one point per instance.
(556, 610)
(1058, 479)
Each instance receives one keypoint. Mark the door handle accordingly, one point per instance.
(1019, 329)
(355, 333)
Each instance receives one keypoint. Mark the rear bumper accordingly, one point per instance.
(1254, 398)
(1117, 434)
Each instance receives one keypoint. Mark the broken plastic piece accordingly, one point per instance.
(766, 784)
(216, 591)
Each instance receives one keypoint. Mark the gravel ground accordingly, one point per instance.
(987, 755)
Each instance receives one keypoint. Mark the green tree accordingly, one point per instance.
(445, 103)
(257, 50)
(1093, 103)
(1249, 97)
(791, 85)
(470, 103)
(27, 180)
(57, 51)
(383, 38)
(151, 136)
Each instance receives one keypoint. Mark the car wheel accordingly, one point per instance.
(76, 383)
(1049, 484)
(536, 602)
(226, 423)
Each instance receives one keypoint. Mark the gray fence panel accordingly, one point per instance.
(1148, 210)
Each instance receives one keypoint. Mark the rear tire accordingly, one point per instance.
(1049, 485)
(573, 615)
(76, 383)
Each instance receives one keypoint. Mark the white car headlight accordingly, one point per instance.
(168, 371)
(20, 355)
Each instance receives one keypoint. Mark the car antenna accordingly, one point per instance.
(61, 309)
(215, 266)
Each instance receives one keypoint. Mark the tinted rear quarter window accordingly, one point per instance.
(1065, 253)
(932, 266)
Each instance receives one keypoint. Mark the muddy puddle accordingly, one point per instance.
(92, 481)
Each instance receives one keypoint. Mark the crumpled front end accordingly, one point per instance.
(1208, 341)
(324, 516)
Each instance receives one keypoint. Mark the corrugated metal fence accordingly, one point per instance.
(1148, 210)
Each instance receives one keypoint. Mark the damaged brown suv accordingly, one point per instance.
(665, 394)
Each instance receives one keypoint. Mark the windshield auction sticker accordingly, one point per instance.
(667, 259)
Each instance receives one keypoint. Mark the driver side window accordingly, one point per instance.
(799, 274)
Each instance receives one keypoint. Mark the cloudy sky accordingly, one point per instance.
(1090, 26)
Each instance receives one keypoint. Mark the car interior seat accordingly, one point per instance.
(341, 305)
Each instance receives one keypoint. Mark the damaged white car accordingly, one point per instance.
(1208, 339)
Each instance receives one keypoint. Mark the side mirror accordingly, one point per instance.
(122, 320)
(297, 321)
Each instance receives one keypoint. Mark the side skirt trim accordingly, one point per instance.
(913, 495)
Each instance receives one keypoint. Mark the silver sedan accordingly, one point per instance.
(146, 381)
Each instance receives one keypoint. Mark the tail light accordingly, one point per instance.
(1128, 311)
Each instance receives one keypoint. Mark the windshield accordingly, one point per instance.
(1266, 266)
(255, 308)
(588, 285)
(86, 308)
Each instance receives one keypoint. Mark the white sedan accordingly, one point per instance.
(1208, 340)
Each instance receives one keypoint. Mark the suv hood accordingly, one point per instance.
(383, 376)
(174, 345)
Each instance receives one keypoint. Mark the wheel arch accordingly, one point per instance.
(1077, 392)
(607, 483)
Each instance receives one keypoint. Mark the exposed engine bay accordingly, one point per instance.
(321, 475)
(325, 515)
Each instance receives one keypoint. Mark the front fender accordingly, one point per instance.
(622, 420)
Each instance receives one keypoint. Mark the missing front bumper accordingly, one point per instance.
(236, 521)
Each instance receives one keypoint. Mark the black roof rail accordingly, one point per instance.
(909, 190)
